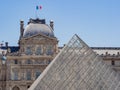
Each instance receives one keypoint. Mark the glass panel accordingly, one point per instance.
(77, 67)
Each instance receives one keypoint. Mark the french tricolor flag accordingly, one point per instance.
(38, 7)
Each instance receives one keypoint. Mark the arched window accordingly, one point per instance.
(28, 75)
(16, 88)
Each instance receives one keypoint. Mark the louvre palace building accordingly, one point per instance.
(20, 66)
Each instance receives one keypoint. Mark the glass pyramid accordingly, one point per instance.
(77, 67)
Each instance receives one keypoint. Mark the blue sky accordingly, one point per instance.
(97, 22)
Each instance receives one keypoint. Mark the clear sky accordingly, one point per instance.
(97, 22)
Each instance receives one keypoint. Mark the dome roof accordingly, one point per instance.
(38, 28)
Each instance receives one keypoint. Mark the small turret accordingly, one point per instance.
(52, 24)
(21, 28)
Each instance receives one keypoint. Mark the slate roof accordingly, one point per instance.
(12, 48)
(36, 26)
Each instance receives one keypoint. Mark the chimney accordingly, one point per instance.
(52, 24)
(21, 28)
(6, 45)
(118, 53)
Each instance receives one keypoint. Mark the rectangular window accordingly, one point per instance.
(28, 75)
(29, 50)
(28, 62)
(37, 74)
(15, 75)
(15, 61)
(49, 50)
(39, 51)
(112, 62)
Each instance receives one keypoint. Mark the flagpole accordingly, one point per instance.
(36, 11)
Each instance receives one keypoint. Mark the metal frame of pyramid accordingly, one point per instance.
(77, 67)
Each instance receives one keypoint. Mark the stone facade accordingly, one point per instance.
(35, 52)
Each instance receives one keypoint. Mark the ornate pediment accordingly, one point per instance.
(38, 39)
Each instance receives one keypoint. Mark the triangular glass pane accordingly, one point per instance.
(77, 67)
